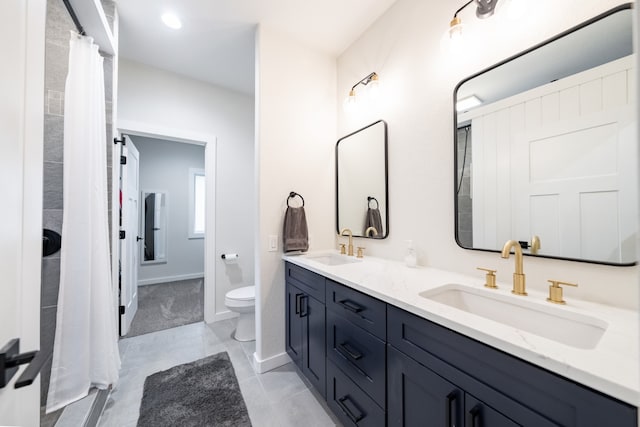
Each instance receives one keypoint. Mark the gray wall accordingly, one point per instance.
(58, 26)
(164, 167)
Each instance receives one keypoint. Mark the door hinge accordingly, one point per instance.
(123, 235)
(119, 141)
(123, 160)
(122, 309)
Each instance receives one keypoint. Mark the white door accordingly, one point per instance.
(21, 115)
(575, 187)
(129, 246)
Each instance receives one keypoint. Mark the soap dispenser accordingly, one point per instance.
(410, 258)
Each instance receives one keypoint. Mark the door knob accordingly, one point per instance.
(138, 238)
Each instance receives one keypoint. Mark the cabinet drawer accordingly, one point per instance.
(305, 280)
(351, 405)
(359, 355)
(362, 310)
(557, 399)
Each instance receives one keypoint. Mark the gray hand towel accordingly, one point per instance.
(295, 236)
(374, 219)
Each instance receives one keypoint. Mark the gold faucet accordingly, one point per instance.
(350, 234)
(535, 245)
(555, 291)
(370, 230)
(519, 287)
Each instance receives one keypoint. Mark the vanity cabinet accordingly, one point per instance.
(383, 366)
(305, 323)
(490, 387)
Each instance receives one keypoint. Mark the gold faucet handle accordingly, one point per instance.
(360, 252)
(555, 291)
(343, 248)
(490, 278)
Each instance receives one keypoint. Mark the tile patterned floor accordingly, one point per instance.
(281, 397)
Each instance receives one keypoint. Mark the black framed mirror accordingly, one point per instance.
(154, 227)
(362, 191)
(545, 147)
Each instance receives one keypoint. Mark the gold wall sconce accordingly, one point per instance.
(372, 82)
(484, 9)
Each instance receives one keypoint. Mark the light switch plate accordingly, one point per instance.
(273, 243)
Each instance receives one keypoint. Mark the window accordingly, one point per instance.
(197, 197)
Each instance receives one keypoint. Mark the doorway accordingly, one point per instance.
(155, 266)
(171, 234)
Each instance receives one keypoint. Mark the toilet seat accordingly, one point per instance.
(241, 297)
(242, 294)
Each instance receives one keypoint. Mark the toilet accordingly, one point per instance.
(243, 301)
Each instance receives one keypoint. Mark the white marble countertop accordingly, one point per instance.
(612, 367)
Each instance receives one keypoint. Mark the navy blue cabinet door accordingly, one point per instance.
(418, 397)
(305, 335)
(312, 314)
(293, 338)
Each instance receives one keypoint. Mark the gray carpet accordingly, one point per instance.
(196, 394)
(167, 305)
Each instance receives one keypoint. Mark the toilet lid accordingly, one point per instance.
(243, 294)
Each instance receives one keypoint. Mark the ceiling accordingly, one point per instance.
(216, 42)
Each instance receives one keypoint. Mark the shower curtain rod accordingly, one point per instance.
(74, 17)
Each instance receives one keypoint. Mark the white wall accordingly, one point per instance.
(161, 99)
(164, 167)
(295, 122)
(418, 79)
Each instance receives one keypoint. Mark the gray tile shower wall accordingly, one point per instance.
(57, 32)
(465, 211)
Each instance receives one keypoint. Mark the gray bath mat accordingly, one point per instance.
(168, 305)
(196, 394)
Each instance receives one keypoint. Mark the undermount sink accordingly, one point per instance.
(333, 259)
(555, 323)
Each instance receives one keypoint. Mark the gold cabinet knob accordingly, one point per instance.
(555, 291)
(490, 278)
(343, 248)
(360, 252)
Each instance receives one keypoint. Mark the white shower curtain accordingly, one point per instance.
(85, 352)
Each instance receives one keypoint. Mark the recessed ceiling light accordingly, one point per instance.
(171, 21)
(468, 103)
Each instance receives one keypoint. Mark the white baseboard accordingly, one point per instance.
(273, 362)
(166, 279)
